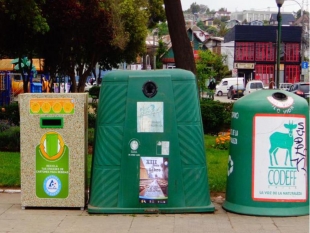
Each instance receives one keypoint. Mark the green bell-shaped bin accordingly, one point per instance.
(149, 153)
(269, 156)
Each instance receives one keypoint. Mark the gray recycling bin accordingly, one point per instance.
(53, 131)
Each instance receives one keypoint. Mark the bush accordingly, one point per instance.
(91, 136)
(10, 139)
(91, 120)
(94, 91)
(216, 116)
(10, 114)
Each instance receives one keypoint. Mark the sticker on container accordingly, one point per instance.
(52, 166)
(153, 180)
(163, 148)
(150, 117)
(279, 162)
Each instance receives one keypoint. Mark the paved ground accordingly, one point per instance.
(46, 220)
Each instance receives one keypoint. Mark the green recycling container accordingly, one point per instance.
(269, 156)
(149, 154)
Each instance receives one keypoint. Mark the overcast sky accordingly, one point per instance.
(241, 5)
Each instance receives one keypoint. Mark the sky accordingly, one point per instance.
(241, 5)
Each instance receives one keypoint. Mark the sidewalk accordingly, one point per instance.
(53, 220)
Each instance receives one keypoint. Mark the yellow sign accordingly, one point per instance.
(244, 65)
(52, 106)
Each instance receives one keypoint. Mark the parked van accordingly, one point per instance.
(252, 86)
(224, 85)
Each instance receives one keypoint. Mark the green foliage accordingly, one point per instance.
(9, 169)
(91, 120)
(10, 139)
(202, 26)
(160, 51)
(94, 91)
(10, 114)
(209, 65)
(91, 136)
(162, 29)
(217, 165)
(214, 118)
(212, 30)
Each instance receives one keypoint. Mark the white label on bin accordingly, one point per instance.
(279, 164)
(163, 148)
(150, 117)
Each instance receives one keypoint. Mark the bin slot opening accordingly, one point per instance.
(279, 96)
(51, 122)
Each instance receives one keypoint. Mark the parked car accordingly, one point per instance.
(223, 86)
(252, 86)
(235, 91)
(301, 89)
(285, 86)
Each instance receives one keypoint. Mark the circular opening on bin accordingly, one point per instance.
(149, 89)
(279, 96)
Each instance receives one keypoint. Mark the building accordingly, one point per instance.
(288, 19)
(255, 52)
(200, 40)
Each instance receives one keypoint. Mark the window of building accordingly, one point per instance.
(244, 51)
(292, 73)
(292, 52)
(264, 52)
(265, 73)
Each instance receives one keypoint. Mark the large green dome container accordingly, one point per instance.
(269, 156)
(149, 153)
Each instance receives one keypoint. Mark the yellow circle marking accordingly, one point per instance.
(68, 107)
(46, 107)
(35, 107)
(42, 148)
(57, 107)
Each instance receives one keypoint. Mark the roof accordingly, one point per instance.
(6, 64)
(248, 33)
(287, 19)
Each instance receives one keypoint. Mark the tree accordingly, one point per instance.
(202, 25)
(21, 25)
(160, 51)
(162, 29)
(212, 30)
(84, 33)
(210, 65)
(194, 8)
(222, 30)
(183, 52)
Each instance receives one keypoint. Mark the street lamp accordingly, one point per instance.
(279, 18)
(154, 32)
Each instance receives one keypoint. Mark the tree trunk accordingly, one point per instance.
(182, 49)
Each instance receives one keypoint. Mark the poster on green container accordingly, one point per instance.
(153, 180)
(52, 167)
(279, 158)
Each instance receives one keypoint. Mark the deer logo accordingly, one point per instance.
(283, 141)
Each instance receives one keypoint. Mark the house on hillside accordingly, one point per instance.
(200, 40)
(288, 19)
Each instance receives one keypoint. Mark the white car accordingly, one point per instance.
(285, 86)
(252, 86)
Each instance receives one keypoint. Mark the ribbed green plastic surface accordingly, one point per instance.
(262, 178)
(120, 173)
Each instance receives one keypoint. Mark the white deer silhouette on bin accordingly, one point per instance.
(284, 141)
